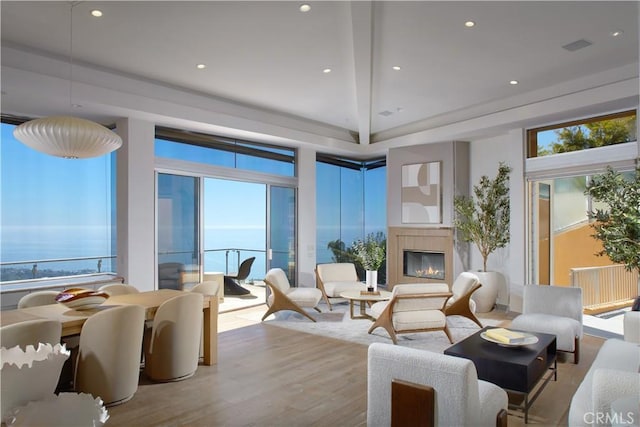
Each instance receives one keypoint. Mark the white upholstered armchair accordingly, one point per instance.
(459, 398)
(285, 297)
(555, 310)
(414, 307)
(337, 277)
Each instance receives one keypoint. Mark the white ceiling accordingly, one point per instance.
(270, 56)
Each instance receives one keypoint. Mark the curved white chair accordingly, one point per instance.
(173, 344)
(38, 298)
(118, 289)
(209, 288)
(337, 277)
(414, 307)
(30, 332)
(108, 363)
(285, 297)
(460, 398)
(460, 303)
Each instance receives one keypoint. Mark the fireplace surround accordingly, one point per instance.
(419, 255)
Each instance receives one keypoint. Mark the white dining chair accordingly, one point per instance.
(108, 364)
(30, 332)
(172, 346)
(38, 298)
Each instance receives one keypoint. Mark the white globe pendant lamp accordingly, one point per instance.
(67, 137)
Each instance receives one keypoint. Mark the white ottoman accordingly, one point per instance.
(566, 330)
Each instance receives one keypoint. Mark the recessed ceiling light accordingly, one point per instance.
(97, 13)
(201, 66)
(326, 70)
(469, 24)
(396, 67)
(305, 7)
(513, 82)
(616, 33)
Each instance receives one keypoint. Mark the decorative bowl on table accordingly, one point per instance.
(81, 298)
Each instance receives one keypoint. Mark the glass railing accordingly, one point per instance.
(20, 271)
(227, 260)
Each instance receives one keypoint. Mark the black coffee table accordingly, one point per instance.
(517, 370)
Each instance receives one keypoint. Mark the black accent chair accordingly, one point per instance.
(231, 285)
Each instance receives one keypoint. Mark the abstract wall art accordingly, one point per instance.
(421, 193)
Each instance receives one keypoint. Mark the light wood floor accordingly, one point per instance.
(271, 376)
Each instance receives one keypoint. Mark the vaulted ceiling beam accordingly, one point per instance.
(362, 29)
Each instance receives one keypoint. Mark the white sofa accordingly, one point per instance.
(610, 391)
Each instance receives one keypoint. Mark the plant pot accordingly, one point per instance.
(372, 280)
(486, 296)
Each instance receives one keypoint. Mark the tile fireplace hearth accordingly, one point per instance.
(419, 255)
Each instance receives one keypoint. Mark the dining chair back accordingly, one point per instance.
(209, 288)
(118, 289)
(108, 364)
(37, 298)
(30, 332)
(173, 343)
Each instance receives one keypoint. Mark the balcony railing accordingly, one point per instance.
(605, 288)
(19, 271)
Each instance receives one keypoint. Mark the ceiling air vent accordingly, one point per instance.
(578, 44)
(385, 113)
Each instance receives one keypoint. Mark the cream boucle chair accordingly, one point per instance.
(108, 364)
(459, 397)
(555, 310)
(172, 347)
(415, 307)
(460, 303)
(285, 297)
(337, 277)
(30, 332)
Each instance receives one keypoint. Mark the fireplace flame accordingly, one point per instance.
(429, 272)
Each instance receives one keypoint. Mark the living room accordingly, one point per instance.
(491, 128)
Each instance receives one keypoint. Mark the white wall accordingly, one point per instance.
(486, 154)
(136, 203)
(306, 217)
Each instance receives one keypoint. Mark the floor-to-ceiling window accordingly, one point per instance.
(246, 200)
(57, 215)
(561, 159)
(351, 204)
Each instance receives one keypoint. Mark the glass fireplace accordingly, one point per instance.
(423, 264)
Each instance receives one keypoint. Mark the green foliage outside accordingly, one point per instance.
(364, 254)
(618, 225)
(591, 135)
(484, 218)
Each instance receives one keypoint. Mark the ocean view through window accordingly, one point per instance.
(58, 215)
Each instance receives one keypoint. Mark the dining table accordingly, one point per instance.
(72, 320)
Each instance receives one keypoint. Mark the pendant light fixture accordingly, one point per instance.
(66, 136)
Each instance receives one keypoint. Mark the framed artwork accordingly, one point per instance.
(421, 193)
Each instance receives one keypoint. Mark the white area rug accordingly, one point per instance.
(337, 324)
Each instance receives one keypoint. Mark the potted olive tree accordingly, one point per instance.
(371, 253)
(484, 220)
(617, 225)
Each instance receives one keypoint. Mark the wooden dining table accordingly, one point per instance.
(72, 320)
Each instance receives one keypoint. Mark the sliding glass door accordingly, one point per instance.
(178, 231)
(282, 230)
